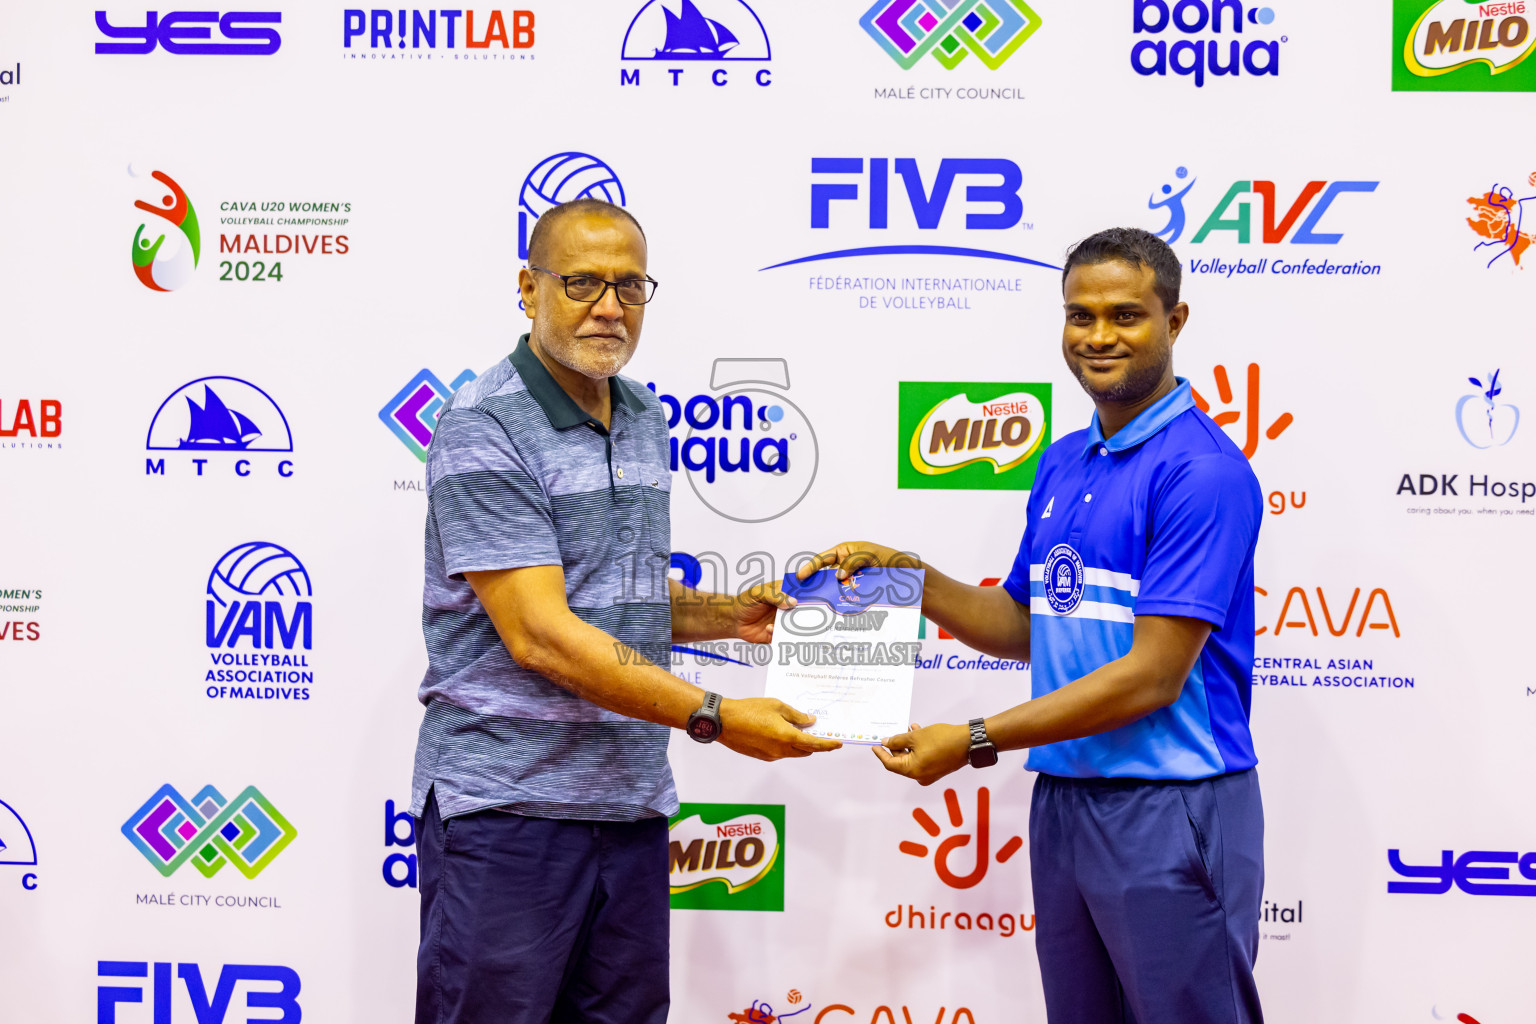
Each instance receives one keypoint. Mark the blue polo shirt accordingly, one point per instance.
(1161, 519)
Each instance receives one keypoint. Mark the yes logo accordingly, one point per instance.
(183, 32)
(163, 267)
(971, 436)
(1484, 422)
(982, 836)
(1462, 45)
(727, 857)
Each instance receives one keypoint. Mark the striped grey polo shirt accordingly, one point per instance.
(519, 475)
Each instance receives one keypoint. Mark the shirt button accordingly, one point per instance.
(621, 472)
(1087, 497)
(1103, 451)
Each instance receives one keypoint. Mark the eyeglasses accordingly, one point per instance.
(631, 291)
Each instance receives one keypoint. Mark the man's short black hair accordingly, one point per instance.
(538, 241)
(1134, 246)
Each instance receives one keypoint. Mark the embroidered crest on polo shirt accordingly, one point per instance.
(1063, 579)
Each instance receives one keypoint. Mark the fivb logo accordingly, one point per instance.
(167, 263)
(259, 592)
(218, 414)
(560, 179)
(727, 857)
(170, 830)
(206, 1009)
(949, 30)
(412, 414)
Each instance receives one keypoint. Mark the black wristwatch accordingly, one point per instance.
(983, 752)
(704, 724)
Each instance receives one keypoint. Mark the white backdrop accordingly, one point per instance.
(106, 564)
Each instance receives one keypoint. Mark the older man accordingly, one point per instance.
(542, 788)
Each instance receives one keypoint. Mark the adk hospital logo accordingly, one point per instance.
(727, 857)
(219, 426)
(259, 625)
(209, 831)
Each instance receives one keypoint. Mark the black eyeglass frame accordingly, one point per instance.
(565, 281)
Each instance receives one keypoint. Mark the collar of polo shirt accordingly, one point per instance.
(1150, 420)
(559, 407)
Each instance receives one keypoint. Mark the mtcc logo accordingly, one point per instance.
(949, 30)
(750, 453)
(218, 414)
(412, 414)
(709, 31)
(1205, 27)
(17, 848)
(260, 592)
(1063, 579)
(560, 179)
(164, 260)
(1490, 424)
(206, 1008)
(982, 837)
(209, 831)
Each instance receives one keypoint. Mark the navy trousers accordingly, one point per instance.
(1148, 897)
(542, 921)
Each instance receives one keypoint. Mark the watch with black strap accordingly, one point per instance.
(704, 724)
(983, 752)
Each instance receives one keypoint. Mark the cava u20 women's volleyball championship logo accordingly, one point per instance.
(167, 262)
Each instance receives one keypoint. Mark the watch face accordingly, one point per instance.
(983, 755)
(703, 729)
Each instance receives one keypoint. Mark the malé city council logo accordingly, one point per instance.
(949, 30)
(412, 414)
(560, 179)
(166, 263)
(209, 831)
(1063, 579)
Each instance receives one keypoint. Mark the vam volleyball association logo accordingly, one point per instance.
(259, 624)
(164, 259)
(560, 179)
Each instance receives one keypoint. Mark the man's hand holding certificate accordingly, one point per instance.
(847, 650)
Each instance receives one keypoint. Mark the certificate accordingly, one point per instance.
(846, 652)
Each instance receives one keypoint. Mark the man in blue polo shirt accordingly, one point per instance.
(1132, 596)
(542, 788)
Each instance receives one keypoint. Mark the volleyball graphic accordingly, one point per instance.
(258, 569)
(163, 267)
(560, 179)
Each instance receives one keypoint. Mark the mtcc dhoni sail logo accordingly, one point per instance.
(170, 830)
(950, 30)
(164, 259)
(218, 415)
(685, 32)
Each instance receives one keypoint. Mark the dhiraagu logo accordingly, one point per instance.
(1462, 46)
(971, 436)
(727, 857)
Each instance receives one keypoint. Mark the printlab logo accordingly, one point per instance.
(209, 831)
(982, 838)
(206, 1009)
(750, 453)
(412, 414)
(727, 857)
(45, 422)
(1475, 872)
(971, 436)
(409, 34)
(1499, 218)
(210, 416)
(1204, 31)
(1462, 46)
(17, 849)
(191, 32)
(708, 32)
(950, 30)
(1483, 421)
(560, 179)
(163, 267)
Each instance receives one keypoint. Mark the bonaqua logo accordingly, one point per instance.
(163, 267)
(1207, 45)
(950, 30)
(560, 179)
(412, 414)
(209, 831)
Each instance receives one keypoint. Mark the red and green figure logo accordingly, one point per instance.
(1462, 46)
(971, 436)
(167, 262)
(727, 857)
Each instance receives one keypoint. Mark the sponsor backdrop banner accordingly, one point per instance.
(249, 255)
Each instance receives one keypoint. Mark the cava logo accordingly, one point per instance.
(164, 260)
(950, 30)
(727, 857)
(170, 830)
(971, 436)
(560, 179)
(218, 415)
(1457, 45)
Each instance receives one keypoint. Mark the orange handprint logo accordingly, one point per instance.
(1250, 414)
(982, 836)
